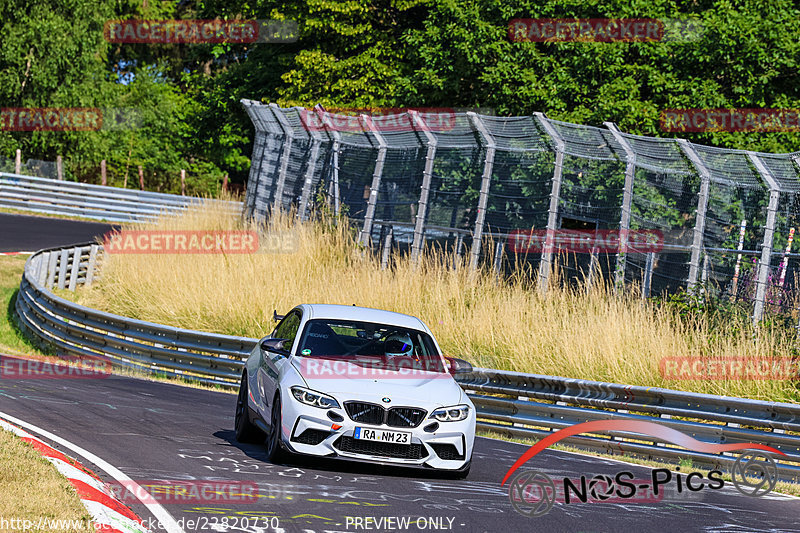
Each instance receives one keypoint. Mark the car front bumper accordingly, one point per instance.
(308, 430)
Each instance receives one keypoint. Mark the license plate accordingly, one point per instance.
(380, 435)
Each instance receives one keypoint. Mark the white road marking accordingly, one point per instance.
(166, 520)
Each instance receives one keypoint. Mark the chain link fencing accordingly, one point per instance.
(655, 215)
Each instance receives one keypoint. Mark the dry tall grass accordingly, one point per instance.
(569, 332)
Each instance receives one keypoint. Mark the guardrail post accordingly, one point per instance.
(375, 186)
(62, 268)
(51, 269)
(141, 178)
(92, 264)
(308, 180)
(769, 231)
(18, 162)
(183, 182)
(486, 180)
(427, 174)
(546, 261)
(76, 265)
(59, 168)
(702, 207)
(287, 152)
(627, 200)
(103, 180)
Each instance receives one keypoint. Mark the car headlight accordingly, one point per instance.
(314, 398)
(454, 413)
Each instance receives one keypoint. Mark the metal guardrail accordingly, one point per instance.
(113, 204)
(79, 331)
(509, 403)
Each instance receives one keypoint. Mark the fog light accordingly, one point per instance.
(336, 417)
(430, 428)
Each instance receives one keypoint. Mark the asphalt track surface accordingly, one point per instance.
(24, 233)
(159, 431)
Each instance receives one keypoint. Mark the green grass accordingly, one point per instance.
(12, 342)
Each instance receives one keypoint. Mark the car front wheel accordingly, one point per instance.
(245, 430)
(274, 449)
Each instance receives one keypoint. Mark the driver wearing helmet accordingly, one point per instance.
(399, 345)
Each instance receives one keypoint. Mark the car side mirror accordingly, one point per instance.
(458, 366)
(277, 346)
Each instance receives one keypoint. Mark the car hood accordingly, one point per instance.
(423, 389)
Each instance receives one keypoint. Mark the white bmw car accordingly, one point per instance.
(358, 384)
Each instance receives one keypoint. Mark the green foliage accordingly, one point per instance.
(396, 53)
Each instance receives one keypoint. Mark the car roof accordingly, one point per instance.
(362, 314)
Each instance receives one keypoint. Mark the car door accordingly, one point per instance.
(270, 362)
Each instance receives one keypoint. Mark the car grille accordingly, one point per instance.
(380, 449)
(407, 417)
(311, 436)
(374, 414)
(448, 452)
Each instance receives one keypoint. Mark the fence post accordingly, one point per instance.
(103, 176)
(183, 182)
(60, 168)
(627, 200)
(375, 186)
(497, 264)
(702, 208)
(225, 183)
(546, 261)
(141, 178)
(769, 231)
(18, 162)
(287, 152)
(333, 189)
(387, 247)
(486, 180)
(647, 279)
(427, 174)
(308, 180)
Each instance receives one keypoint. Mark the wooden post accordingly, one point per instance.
(103, 178)
(60, 168)
(183, 182)
(18, 162)
(141, 177)
(225, 183)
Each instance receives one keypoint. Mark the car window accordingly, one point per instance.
(288, 327)
(353, 339)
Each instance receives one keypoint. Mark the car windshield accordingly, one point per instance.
(368, 342)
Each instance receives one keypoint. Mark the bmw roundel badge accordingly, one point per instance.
(386, 400)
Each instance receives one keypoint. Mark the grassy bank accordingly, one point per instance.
(32, 489)
(572, 332)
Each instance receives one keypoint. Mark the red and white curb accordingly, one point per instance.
(108, 513)
(17, 253)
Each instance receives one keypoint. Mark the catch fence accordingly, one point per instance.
(532, 191)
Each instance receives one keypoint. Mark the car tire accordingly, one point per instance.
(246, 431)
(275, 452)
